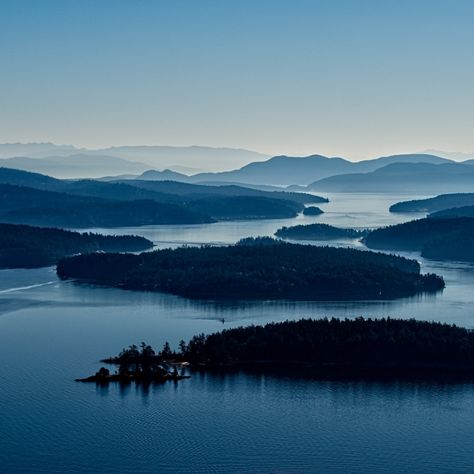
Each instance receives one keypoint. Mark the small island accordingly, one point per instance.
(141, 365)
(257, 269)
(319, 232)
(312, 211)
(349, 348)
(23, 246)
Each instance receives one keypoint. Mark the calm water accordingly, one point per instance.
(52, 332)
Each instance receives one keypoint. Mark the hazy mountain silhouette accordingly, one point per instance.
(416, 178)
(75, 166)
(286, 170)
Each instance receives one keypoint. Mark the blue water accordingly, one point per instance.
(52, 332)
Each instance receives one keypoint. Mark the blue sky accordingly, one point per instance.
(351, 78)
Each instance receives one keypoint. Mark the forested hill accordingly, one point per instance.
(257, 270)
(434, 204)
(438, 238)
(23, 246)
(135, 202)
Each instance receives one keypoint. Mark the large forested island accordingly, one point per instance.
(438, 238)
(325, 347)
(22, 246)
(319, 232)
(257, 269)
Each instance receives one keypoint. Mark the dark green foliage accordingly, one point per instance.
(23, 246)
(438, 203)
(465, 211)
(312, 211)
(23, 205)
(258, 271)
(318, 232)
(383, 343)
(448, 238)
(245, 207)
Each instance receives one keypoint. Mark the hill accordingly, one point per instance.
(435, 204)
(23, 246)
(416, 178)
(286, 170)
(257, 270)
(23, 205)
(186, 198)
(437, 238)
(464, 211)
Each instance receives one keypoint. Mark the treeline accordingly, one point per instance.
(438, 238)
(384, 343)
(319, 232)
(257, 270)
(330, 346)
(23, 246)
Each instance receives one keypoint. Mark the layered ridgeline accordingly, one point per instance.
(437, 238)
(319, 232)
(348, 348)
(435, 204)
(257, 269)
(23, 246)
(36, 199)
(413, 178)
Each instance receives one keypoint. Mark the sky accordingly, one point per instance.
(358, 79)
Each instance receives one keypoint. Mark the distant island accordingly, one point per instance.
(257, 269)
(22, 246)
(437, 238)
(312, 211)
(435, 204)
(319, 232)
(349, 348)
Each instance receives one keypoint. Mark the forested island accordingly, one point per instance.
(319, 232)
(314, 347)
(22, 246)
(257, 269)
(312, 211)
(435, 204)
(437, 238)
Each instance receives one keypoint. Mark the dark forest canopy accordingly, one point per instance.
(328, 346)
(246, 207)
(257, 271)
(450, 238)
(24, 205)
(465, 211)
(319, 232)
(23, 246)
(434, 204)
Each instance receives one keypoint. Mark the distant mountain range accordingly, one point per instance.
(420, 172)
(68, 161)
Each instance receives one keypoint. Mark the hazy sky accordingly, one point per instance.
(353, 78)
